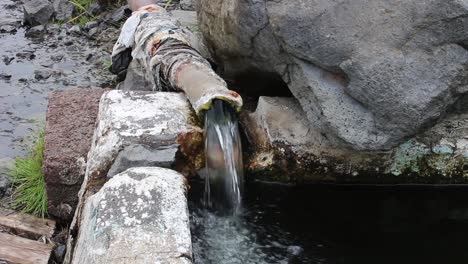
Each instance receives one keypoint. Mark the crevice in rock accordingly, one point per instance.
(252, 84)
(464, 45)
(460, 106)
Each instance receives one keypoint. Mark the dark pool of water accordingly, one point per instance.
(335, 224)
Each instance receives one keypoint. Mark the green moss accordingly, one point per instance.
(26, 176)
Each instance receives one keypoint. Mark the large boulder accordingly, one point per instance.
(368, 74)
(139, 216)
(37, 12)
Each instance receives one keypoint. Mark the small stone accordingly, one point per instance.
(42, 74)
(7, 21)
(7, 29)
(295, 250)
(187, 5)
(96, 9)
(5, 76)
(5, 165)
(59, 253)
(56, 57)
(7, 60)
(35, 32)
(93, 33)
(3, 184)
(63, 9)
(54, 28)
(91, 24)
(37, 12)
(75, 30)
(26, 55)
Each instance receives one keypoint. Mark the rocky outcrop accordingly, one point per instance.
(368, 74)
(37, 12)
(286, 148)
(71, 118)
(139, 216)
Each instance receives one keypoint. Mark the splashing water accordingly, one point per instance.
(223, 151)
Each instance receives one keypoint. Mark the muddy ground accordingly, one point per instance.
(34, 64)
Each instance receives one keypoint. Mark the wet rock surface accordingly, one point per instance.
(367, 81)
(284, 147)
(71, 118)
(31, 67)
(140, 214)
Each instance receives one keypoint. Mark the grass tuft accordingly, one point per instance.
(84, 16)
(168, 3)
(26, 176)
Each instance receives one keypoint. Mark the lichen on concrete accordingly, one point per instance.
(140, 215)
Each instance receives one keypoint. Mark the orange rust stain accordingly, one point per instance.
(234, 94)
(151, 8)
(155, 46)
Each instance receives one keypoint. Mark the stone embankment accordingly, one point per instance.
(115, 204)
(365, 111)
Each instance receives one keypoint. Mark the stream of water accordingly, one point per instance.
(223, 151)
(222, 227)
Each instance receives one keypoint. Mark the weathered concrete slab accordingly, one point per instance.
(287, 148)
(138, 216)
(153, 120)
(71, 118)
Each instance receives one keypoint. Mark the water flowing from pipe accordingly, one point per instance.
(223, 151)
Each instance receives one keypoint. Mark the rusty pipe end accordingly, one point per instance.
(202, 85)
